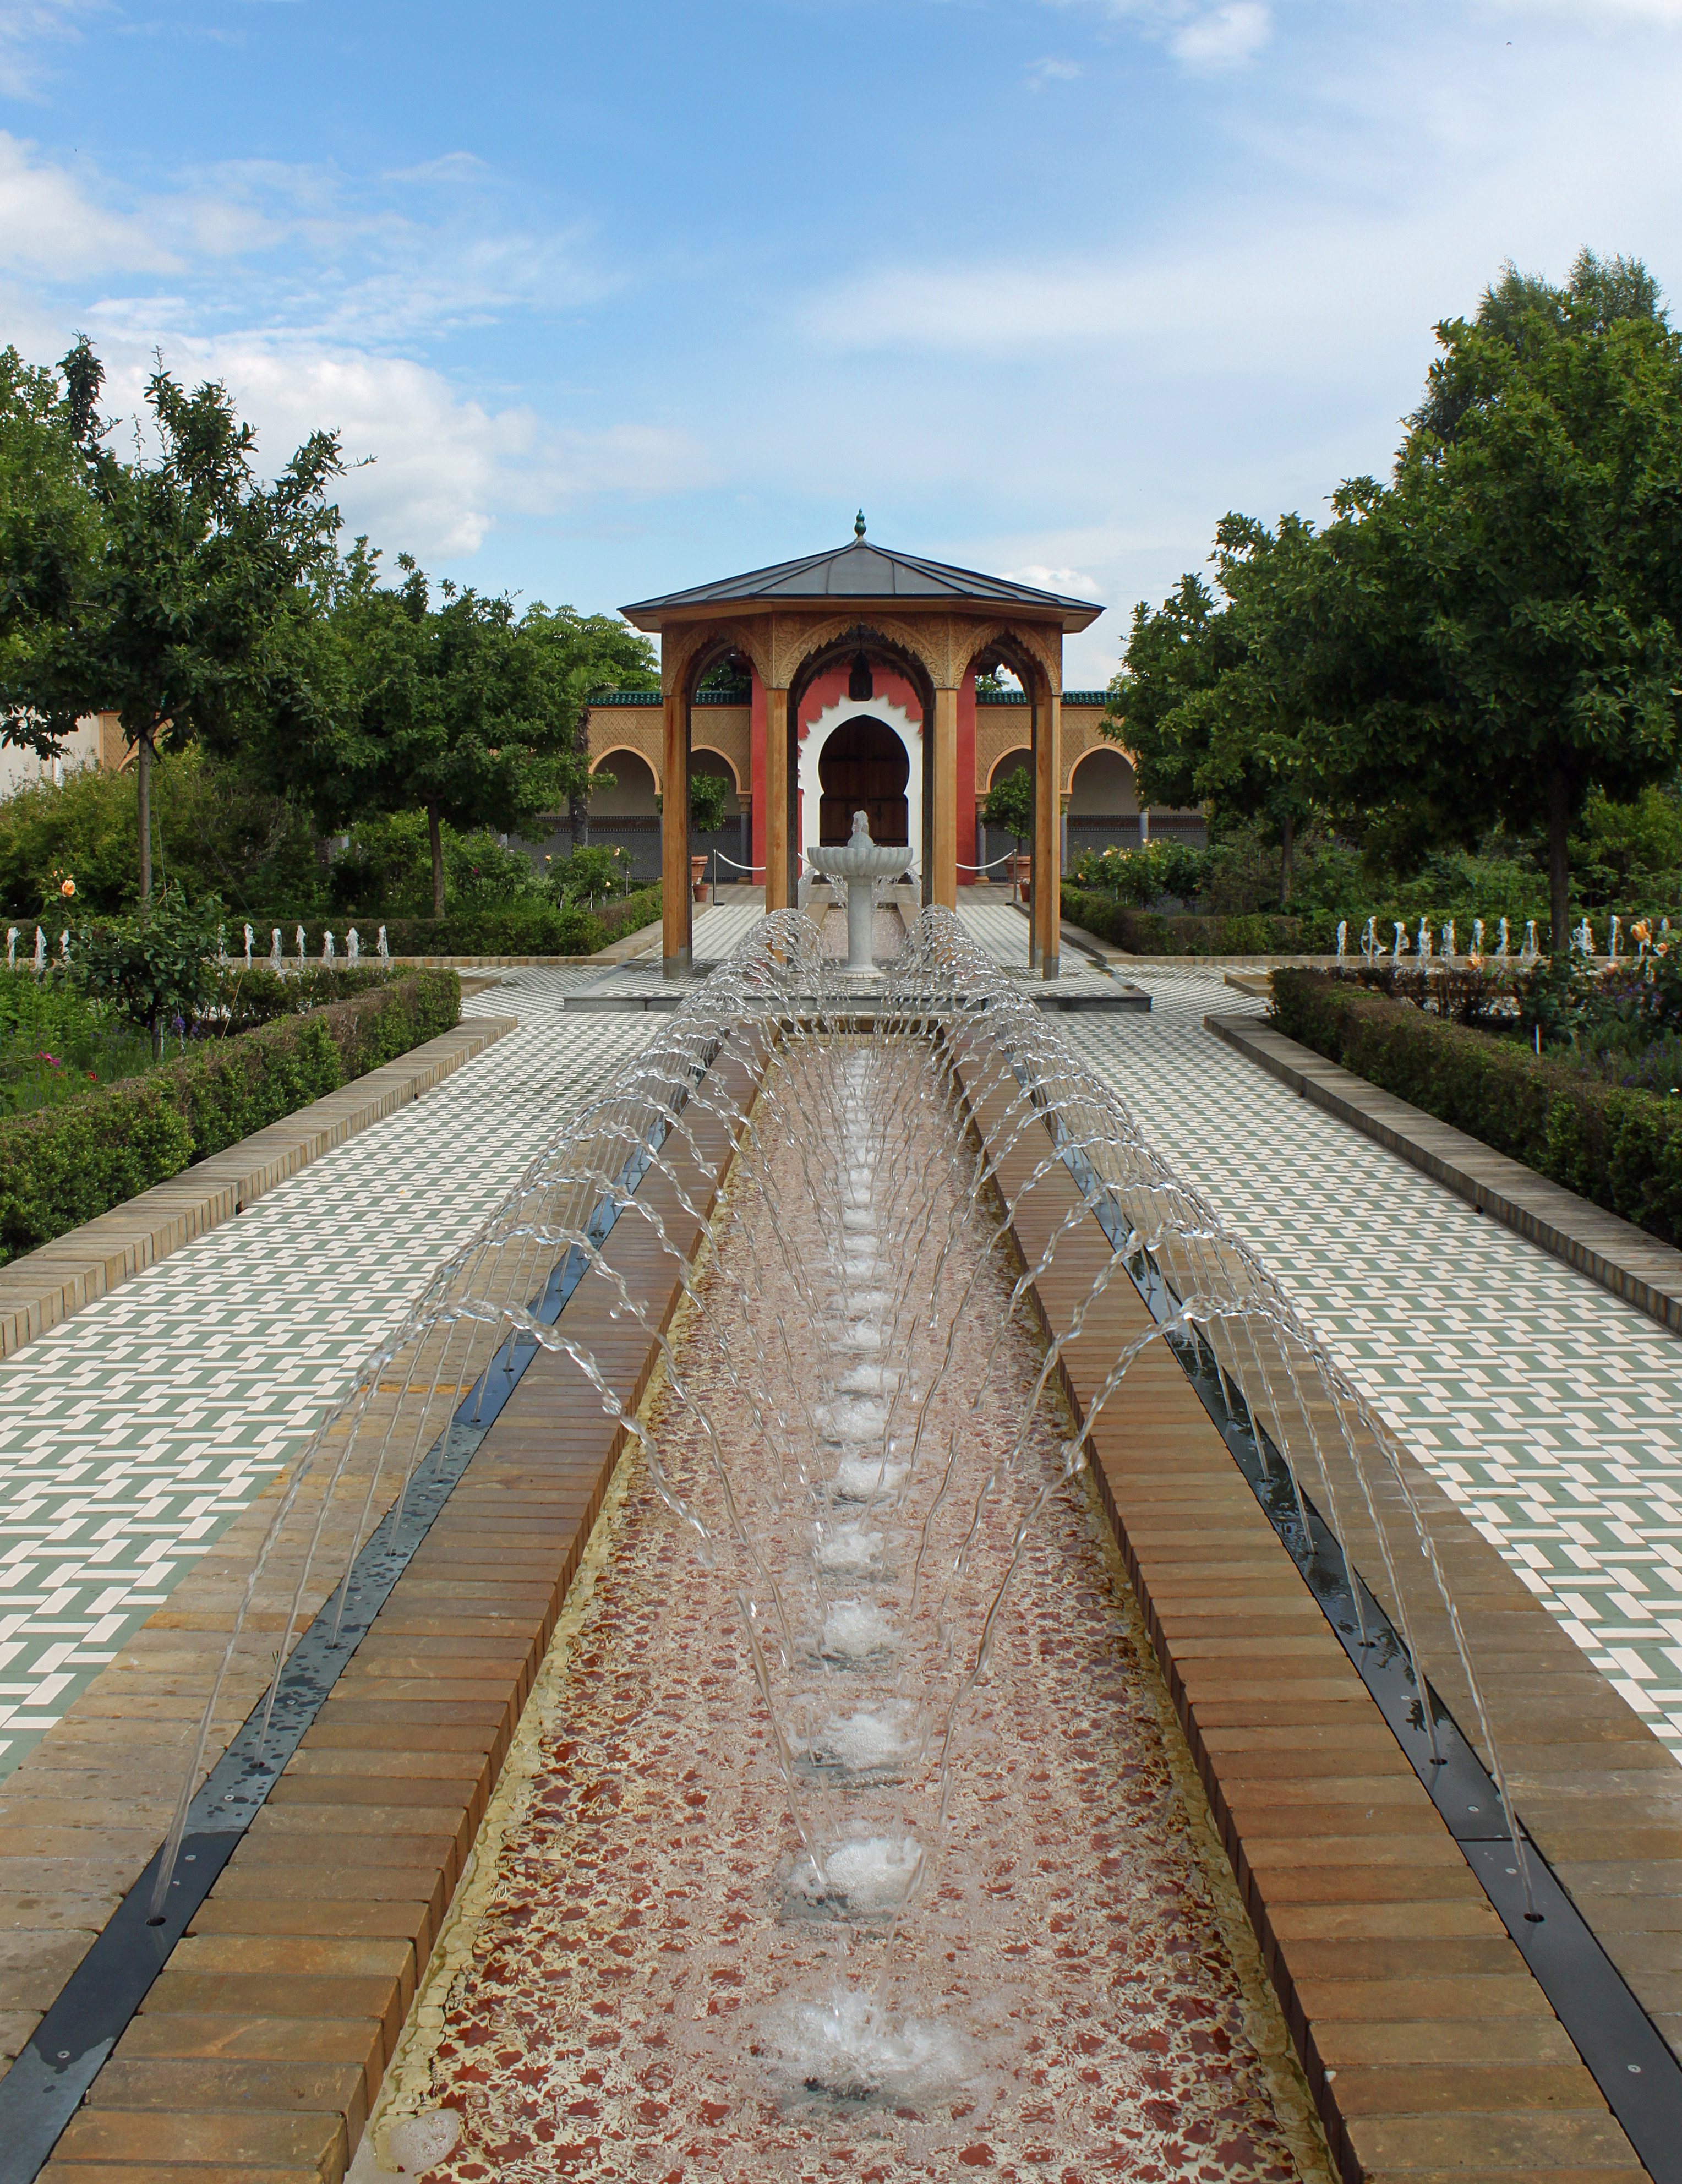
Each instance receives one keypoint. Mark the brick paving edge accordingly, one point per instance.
(1353, 1952)
(47, 1286)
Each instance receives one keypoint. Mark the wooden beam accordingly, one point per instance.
(944, 840)
(1048, 881)
(777, 893)
(674, 837)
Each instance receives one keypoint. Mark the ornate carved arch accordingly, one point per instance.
(835, 637)
(797, 647)
(696, 743)
(1020, 637)
(599, 760)
(683, 652)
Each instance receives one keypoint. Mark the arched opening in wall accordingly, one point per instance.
(993, 844)
(713, 762)
(1102, 788)
(727, 844)
(863, 767)
(805, 801)
(632, 794)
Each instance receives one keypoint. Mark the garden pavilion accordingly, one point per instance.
(895, 641)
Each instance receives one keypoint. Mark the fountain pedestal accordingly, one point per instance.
(858, 862)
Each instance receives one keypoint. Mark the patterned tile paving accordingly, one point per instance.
(132, 1433)
(1003, 931)
(1550, 1412)
(721, 928)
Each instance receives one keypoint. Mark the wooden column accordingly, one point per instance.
(943, 834)
(674, 837)
(1036, 722)
(1048, 882)
(776, 890)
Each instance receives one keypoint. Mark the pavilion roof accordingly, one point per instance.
(861, 570)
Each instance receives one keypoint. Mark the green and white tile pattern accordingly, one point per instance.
(1548, 1410)
(132, 1434)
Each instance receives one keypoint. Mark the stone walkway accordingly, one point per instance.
(1549, 1411)
(130, 1435)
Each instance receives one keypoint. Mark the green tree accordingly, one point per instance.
(708, 793)
(218, 833)
(1171, 655)
(187, 620)
(154, 966)
(460, 711)
(1248, 721)
(1480, 643)
(587, 655)
(1010, 806)
(1536, 516)
(50, 539)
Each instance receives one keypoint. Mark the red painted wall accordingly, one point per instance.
(892, 689)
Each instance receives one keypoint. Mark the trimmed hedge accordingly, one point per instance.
(528, 927)
(1147, 933)
(1618, 1146)
(64, 1165)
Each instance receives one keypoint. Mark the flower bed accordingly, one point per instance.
(64, 1165)
(1619, 1147)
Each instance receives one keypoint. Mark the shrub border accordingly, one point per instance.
(63, 1166)
(1619, 1147)
(1149, 933)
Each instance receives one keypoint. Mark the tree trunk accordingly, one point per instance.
(1559, 871)
(1287, 842)
(434, 830)
(578, 803)
(142, 775)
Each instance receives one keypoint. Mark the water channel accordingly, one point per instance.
(790, 1890)
(849, 1831)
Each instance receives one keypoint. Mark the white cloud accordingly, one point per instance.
(1224, 36)
(445, 471)
(1038, 73)
(1206, 37)
(49, 222)
(1226, 288)
(451, 167)
(308, 296)
(26, 25)
(1072, 583)
(1604, 12)
(300, 246)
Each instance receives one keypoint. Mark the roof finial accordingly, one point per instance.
(859, 524)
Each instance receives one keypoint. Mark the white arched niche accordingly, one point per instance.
(811, 749)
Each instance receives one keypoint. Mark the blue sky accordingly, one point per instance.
(624, 297)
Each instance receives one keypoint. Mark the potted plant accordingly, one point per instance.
(708, 793)
(1010, 808)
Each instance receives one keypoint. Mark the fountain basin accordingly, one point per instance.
(859, 862)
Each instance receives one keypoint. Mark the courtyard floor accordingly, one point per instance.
(132, 1433)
